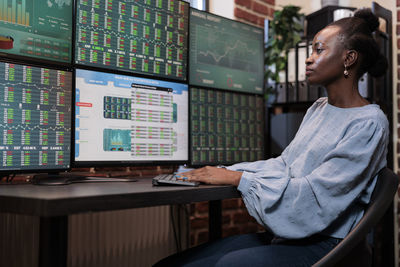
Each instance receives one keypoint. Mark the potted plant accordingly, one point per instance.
(285, 31)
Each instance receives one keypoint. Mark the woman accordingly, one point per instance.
(312, 195)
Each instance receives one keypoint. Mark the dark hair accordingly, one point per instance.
(356, 34)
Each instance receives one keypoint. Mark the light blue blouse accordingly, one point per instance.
(323, 179)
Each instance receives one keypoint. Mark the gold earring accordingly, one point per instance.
(345, 72)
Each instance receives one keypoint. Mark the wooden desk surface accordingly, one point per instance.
(48, 201)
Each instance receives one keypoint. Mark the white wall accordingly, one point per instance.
(309, 6)
(223, 8)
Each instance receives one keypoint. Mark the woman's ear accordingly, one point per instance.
(351, 58)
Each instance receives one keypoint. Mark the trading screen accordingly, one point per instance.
(38, 29)
(148, 36)
(35, 111)
(226, 127)
(225, 54)
(127, 119)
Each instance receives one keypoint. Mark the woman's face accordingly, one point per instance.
(326, 63)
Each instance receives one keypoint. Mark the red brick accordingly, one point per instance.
(245, 3)
(242, 14)
(398, 3)
(398, 88)
(271, 2)
(398, 73)
(199, 223)
(271, 13)
(226, 219)
(242, 203)
(230, 204)
(80, 170)
(201, 207)
(398, 15)
(259, 8)
(241, 217)
(398, 29)
(261, 22)
(110, 169)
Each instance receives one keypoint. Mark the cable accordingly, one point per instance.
(177, 243)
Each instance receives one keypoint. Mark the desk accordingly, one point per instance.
(53, 204)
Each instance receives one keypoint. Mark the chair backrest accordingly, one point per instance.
(382, 197)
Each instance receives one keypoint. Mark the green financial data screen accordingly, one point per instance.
(35, 107)
(147, 36)
(226, 127)
(36, 28)
(225, 54)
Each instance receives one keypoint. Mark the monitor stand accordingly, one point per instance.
(69, 178)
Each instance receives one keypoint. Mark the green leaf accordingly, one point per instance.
(284, 33)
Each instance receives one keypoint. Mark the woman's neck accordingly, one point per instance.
(344, 94)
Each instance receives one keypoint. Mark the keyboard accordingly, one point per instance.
(170, 179)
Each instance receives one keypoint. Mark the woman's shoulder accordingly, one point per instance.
(370, 113)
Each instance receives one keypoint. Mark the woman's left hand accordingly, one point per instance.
(213, 175)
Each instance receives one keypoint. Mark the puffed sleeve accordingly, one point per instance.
(297, 207)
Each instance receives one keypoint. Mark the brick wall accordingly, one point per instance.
(254, 11)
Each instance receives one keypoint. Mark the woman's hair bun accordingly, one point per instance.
(369, 17)
(380, 66)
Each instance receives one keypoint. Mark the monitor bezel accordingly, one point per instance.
(4, 172)
(76, 65)
(232, 20)
(123, 163)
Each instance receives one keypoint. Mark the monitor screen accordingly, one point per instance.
(147, 37)
(125, 119)
(225, 54)
(37, 29)
(226, 127)
(35, 107)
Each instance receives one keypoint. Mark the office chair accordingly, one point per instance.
(354, 249)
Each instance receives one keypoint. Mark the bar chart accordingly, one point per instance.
(16, 11)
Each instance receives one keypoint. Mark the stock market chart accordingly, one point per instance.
(225, 54)
(35, 112)
(226, 127)
(147, 36)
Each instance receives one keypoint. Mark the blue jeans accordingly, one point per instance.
(254, 250)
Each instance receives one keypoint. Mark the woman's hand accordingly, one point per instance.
(213, 175)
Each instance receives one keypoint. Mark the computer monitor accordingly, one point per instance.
(126, 120)
(35, 111)
(145, 37)
(41, 30)
(225, 54)
(226, 127)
